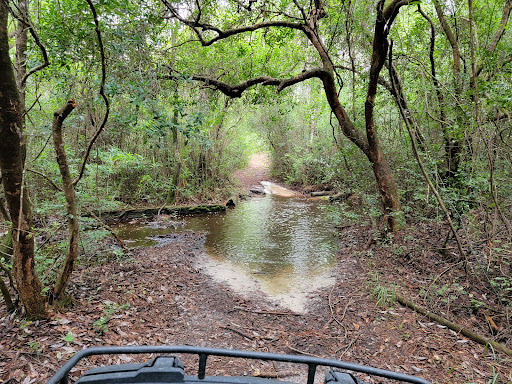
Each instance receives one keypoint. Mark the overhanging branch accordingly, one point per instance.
(199, 27)
(236, 91)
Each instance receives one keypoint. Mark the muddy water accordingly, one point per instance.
(280, 246)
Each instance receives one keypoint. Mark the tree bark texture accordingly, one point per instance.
(3, 209)
(383, 175)
(69, 193)
(11, 165)
(6, 295)
(21, 53)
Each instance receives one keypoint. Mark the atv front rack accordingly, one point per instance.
(169, 369)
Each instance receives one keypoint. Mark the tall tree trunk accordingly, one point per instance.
(173, 190)
(393, 215)
(382, 171)
(21, 40)
(11, 165)
(69, 193)
(454, 145)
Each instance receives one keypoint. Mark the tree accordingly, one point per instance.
(13, 155)
(306, 20)
(12, 168)
(68, 183)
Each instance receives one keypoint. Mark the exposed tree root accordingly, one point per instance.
(454, 326)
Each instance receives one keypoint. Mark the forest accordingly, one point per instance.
(401, 108)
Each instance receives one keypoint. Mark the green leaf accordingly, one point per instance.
(69, 338)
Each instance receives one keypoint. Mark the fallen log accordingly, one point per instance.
(454, 326)
(321, 193)
(340, 196)
(151, 212)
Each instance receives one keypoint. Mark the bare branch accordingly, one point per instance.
(242, 5)
(45, 63)
(102, 93)
(301, 11)
(236, 91)
(55, 186)
(23, 18)
(195, 25)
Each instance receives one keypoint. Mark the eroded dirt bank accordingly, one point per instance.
(163, 298)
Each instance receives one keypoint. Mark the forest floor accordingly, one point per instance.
(161, 295)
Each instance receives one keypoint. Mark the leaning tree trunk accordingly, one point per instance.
(385, 183)
(11, 165)
(369, 144)
(382, 172)
(69, 193)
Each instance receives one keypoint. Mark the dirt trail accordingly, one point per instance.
(160, 296)
(256, 171)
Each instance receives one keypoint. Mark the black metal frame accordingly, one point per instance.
(62, 376)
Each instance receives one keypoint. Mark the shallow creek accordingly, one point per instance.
(283, 247)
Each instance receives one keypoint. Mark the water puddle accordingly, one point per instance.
(283, 247)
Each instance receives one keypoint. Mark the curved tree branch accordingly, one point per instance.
(54, 186)
(45, 63)
(301, 9)
(102, 93)
(326, 73)
(236, 91)
(195, 25)
(390, 12)
(24, 18)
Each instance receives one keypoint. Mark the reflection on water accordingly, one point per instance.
(284, 243)
(273, 237)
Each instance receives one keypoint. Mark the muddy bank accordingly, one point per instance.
(242, 283)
